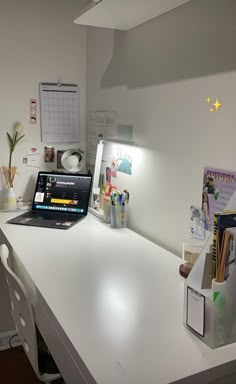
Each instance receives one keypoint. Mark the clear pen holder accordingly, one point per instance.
(118, 216)
(124, 215)
(107, 209)
(192, 249)
(220, 315)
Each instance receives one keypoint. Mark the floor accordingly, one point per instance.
(15, 368)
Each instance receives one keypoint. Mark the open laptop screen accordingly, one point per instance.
(62, 192)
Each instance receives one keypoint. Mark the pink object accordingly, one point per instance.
(33, 111)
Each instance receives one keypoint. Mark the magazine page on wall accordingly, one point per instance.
(219, 187)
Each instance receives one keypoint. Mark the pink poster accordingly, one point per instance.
(218, 188)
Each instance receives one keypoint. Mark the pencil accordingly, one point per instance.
(217, 255)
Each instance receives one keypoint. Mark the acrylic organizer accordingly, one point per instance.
(210, 307)
(119, 208)
(118, 216)
(107, 209)
(191, 249)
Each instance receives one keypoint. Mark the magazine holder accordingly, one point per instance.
(210, 307)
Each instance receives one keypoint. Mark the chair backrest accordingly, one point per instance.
(23, 317)
(22, 312)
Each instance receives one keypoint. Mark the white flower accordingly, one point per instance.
(18, 127)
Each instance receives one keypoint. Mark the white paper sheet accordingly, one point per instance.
(195, 311)
(33, 160)
(100, 125)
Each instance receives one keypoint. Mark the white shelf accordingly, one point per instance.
(124, 14)
(96, 212)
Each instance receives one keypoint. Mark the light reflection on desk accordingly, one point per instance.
(117, 307)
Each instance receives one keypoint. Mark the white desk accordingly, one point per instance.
(109, 304)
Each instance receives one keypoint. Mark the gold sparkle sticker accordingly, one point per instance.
(216, 105)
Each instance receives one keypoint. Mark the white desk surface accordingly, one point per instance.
(118, 298)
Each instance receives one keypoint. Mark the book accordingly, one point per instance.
(231, 255)
(222, 256)
(222, 220)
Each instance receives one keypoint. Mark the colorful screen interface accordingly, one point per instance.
(68, 193)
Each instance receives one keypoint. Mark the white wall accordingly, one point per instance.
(157, 77)
(38, 42)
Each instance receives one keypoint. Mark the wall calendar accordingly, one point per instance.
(60, 113)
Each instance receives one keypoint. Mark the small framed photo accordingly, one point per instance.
(108, 175)
(49, 154)
(114, 168)
(59, 156)
(197, 227)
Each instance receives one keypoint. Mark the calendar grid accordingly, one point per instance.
(60, 115)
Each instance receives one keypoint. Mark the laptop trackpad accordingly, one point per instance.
(24, 220)
(41, 222)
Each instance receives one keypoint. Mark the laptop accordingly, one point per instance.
(60, 201)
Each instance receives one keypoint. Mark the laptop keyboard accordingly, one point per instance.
(53, 216)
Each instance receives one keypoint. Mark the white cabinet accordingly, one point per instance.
(124, 14)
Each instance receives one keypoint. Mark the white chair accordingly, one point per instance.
(23, 318)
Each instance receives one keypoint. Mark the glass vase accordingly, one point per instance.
(11, 198)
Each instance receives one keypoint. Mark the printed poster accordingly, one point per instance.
(124, 159)
(100, 125)
(218, 188)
